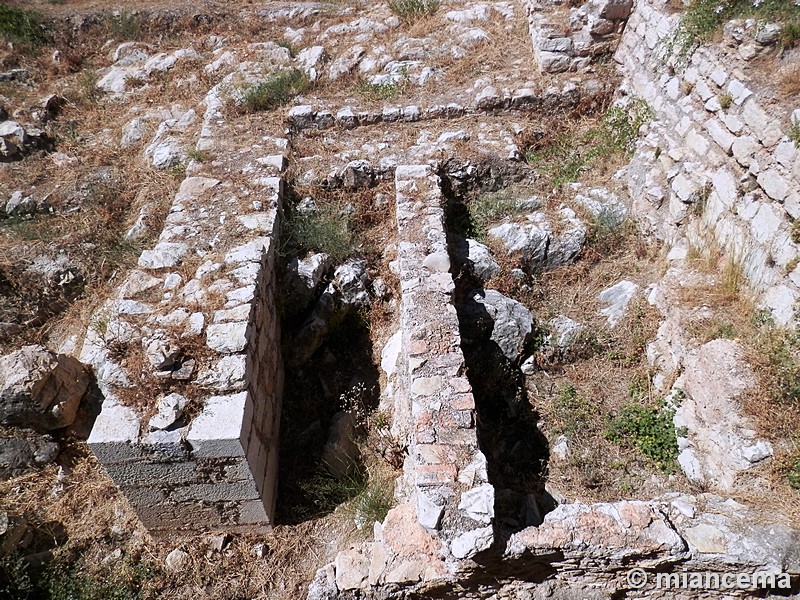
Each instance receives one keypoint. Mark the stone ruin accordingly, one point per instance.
(203, 304)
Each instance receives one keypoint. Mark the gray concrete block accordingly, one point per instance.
(148, 473)
(253, 511)
(191, 516)
(144, 495)
(216, 492)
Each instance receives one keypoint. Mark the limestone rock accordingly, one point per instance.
(351, 282)
(505, 321)
(302, 280)
(477, 256)
(170, 409)
(617, 298)
(177, 561)
(605, 207)
(608, 532)
(565, 331)
(40, 389)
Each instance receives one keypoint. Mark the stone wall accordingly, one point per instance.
(569, 39)
(187, 355)
(717, 162)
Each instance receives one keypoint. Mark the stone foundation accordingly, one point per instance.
(188, 354)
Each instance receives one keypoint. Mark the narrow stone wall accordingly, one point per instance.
(188, 354)
(718, 150)
(445, 468)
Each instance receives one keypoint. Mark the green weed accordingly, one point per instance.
(567, 156)
(649, 430)
(321, 230)
(794, 134)
(277, 90)
(19, 26)
(413, 10)
(381, 91)
(488, 209)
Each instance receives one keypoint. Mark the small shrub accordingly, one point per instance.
(289, 46)
(21, 26)
(795, 233)
(793, 475)
(326, 492)
(791, 265)
(790, 34)
(490, 208)
(275, 91)
(413, 10)
(725, 100)
(794, 133)
(566, 156)
(381, 91)
(649, 430)
(198, 155)
(699, 199)
(320, 230)
(374, 502)
(571, 409)
(124, 25)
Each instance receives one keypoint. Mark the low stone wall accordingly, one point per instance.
(187, 355)
(718, 150)
(551, 99)
(569, 39)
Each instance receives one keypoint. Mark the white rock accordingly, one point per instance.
(472, 542)
(617, 298)
(170, 409)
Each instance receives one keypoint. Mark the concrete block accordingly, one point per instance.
(216, 431)
(216, 492)
(194, 516)
(151, 473)
(143, 495)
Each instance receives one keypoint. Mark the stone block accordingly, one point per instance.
(216, 431)
(149, 473)
(227, 337)
(720, 134)
(774, 185)
(216, 492)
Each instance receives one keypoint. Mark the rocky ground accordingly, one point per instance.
(632, 397)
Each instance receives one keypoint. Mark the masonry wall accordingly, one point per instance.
(717, 163)
(188, 354)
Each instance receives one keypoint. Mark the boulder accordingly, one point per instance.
(12, 531)
(606, 208)
(40, 389)
(565, 331)
(506, 322)
(302, 281)
(617, 298)
(535, 240)
(350, 282)
(477, 257)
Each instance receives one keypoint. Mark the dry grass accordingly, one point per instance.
(789, 80)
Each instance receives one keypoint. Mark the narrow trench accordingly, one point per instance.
(335, 372)
(516, 450)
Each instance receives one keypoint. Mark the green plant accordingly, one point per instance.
(326, 492)
(381, 91)
(571, 409)
(374, 502)
(413, 10)
(198, 155)
(320, 230)
(725, 100)
(124, 25)
(649, 430)
(794, 133)
(790, 34)
(723, 330)
(490, 208)
(289, 46)
(567, 156)
(275, 91)
(20, 26)
(704, 18)
(699, 199)
(795, 232)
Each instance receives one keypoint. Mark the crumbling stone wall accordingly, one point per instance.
(569, 39)
(718, 149)
(190, 370)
